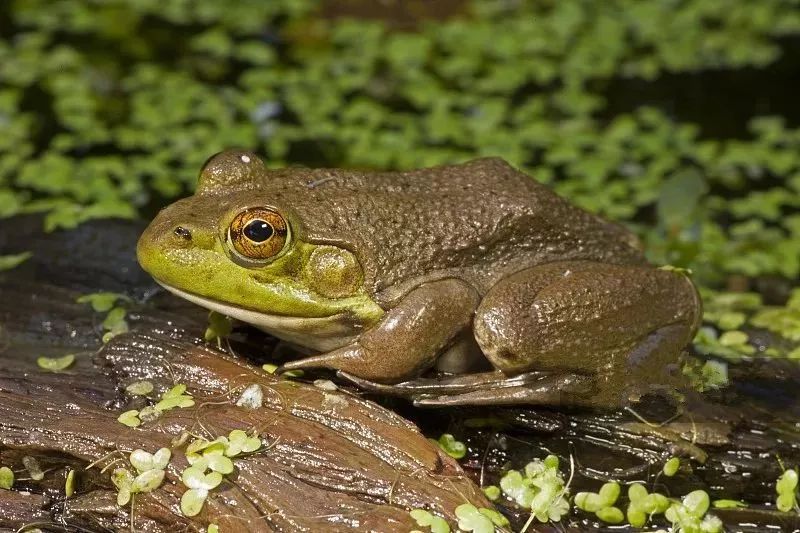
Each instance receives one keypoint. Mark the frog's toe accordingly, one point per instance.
(397, 389)
(487, 388)
(525, 389)
(443, 384)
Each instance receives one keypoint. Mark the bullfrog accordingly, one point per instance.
(460, 284)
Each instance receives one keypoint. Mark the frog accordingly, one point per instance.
(460, 284)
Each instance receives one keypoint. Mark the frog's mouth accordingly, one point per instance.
(318, 333)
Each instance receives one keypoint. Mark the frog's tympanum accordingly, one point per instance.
(475, 270)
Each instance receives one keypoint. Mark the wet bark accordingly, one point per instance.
(332, 461)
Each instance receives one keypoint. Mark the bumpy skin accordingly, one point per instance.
(388, 274)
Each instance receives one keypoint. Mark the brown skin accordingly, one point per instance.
(464, 268)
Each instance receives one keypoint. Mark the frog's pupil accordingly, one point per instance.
(258, 230)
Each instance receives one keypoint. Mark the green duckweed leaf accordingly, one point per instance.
(69, 484)
(102, 302)
(196, 478)
(192, 501)
(671, 466)
(139, 388)
(219, 463)
(697, 502)
(637, 492)
(115, 323)
(497, 519)
(143, 461)
(147, 481)
(590, 502)
(6, 478)
(219, 326)
(424, 518)
(728, 504)
(8, 262)
(451, 446)
(171, 403)
(786, 501)
(471, 519)
(55, 364)
(787, 482)
(492, 492)
(175, 392)
(609, 492)
(611, 515)
(239, 441)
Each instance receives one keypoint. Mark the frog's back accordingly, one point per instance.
(479, 221)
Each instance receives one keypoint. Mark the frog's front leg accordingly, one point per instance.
(408, 338)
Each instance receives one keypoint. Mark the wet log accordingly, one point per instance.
(331, 461)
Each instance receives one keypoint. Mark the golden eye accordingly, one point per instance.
(258, 233)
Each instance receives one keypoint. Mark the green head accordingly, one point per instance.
(235, 249)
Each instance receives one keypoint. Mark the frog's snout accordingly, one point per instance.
(183, 233)
(172, 237)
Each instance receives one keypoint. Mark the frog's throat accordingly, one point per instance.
(318, 333)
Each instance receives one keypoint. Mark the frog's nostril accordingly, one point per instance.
(183, 233)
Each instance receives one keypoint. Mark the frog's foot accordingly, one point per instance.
(488, 388)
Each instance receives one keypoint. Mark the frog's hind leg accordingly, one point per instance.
(625, 325)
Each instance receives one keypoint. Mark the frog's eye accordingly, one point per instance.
(258, 233)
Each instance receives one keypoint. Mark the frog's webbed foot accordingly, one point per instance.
(487, 388)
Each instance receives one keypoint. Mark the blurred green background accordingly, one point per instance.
(679, 118)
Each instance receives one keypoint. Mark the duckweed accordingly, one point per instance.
(219, 327)
(139, 388)
(451, 446)
(492, 492)
(69, 483)
(671, 466)
(541, 489)
(6, 478)
(33, 468)
(784, 321)
(689, 515)
(55, 364)
(130, 418)
(423, 518)
(8, 262)
(115, 323)
(728, 504)
(643, 504)
(209, 461)
(601, 503)
(478, 520)
(148, 474)
(786, 488)
(102, 302)
(432, 95)
(173, 398)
